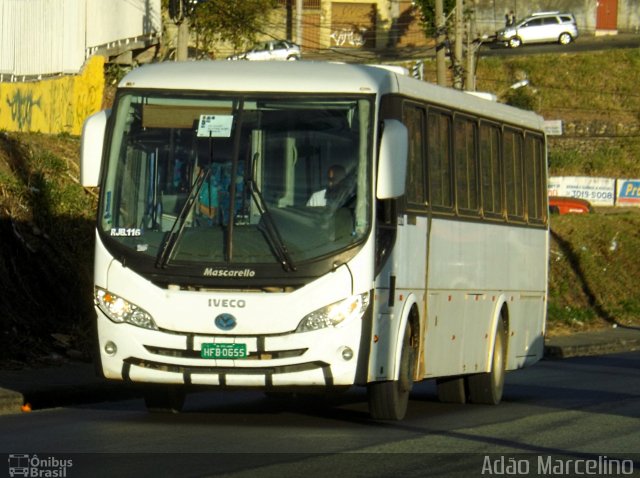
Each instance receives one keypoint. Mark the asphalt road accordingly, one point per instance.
(582, 44)
(585, 408)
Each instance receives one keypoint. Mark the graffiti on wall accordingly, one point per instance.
(53, 106)
(353, 36)
(353, 24)
(21, 104)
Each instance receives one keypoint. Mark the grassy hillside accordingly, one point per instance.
(46, 247)
(593, 85)
(46, 217)
(594, 270)
(594, 94)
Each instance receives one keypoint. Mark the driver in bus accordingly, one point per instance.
(335, 174)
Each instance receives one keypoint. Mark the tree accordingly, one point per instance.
(428, 13)
(232, 21)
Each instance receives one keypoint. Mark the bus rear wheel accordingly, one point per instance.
(164, 398)
(487, 387)
(389, 400)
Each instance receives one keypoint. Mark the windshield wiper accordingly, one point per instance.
(169, 245)
(269, 228)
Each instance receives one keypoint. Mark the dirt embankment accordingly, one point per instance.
(46, 243)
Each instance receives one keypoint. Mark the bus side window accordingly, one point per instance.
(439, 160)
(414, 119)
(513, 174)
(534, 179)
(466, 172)
(491, 184)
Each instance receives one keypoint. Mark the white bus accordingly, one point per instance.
(424, 258)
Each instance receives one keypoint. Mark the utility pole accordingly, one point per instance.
(180, 12)
(470, 77)
(289, 21)
(299, 22)
(457, 52)
(441, 69)
(182, 48)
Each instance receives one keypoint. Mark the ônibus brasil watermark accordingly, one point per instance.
(38, 466)
(558, 466)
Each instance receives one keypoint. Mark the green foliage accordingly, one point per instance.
(113, 73)
(428, 13)
(570, 317)
(46, 233)
(521, 98)
(229, 20)
(594, 268)
(607, 159)
(570, 84)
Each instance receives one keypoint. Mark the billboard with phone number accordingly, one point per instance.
(598, 191)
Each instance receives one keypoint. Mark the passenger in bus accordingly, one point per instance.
(320, 198)
(208, 198)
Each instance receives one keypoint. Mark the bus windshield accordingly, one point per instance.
(193, 179)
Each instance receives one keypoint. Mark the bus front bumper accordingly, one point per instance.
(322, 358)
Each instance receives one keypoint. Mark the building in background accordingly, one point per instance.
(381, 24)
(367, 24)
(319, 25)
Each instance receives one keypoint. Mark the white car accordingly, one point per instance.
(539, 28)
(270, 50)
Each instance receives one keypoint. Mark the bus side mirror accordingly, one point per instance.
(91, 147)
(392, 160)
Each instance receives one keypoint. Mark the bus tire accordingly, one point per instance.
(389, 400)
(487, 388)
(451, 389)
(164, 398)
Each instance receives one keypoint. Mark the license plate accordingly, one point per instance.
(223, 351)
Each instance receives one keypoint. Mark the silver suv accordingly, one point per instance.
(539, 28)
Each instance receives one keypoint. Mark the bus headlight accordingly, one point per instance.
(335, 314)
(120, 310)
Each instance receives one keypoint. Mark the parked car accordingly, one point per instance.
(539, 28)
(567, 205)
(270, 50)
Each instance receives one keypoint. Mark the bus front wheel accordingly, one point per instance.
(389, 400)
(487, 387)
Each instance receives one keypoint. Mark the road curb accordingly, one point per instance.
(69, 384)
(10, 402)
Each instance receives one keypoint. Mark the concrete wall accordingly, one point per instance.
(54, 106)
(629, 16)
(45, 37)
